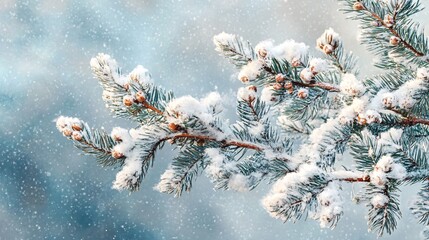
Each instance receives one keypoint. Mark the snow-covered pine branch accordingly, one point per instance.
(388, 31)
(298, 115)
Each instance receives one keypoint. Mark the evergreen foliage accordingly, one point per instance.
(297, 116)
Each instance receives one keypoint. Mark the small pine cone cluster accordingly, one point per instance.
(296, 62)
(124, 142)
(70, 127)
(140, 97)
(134, 77)
(137, 98)
(128, 100)
(361, 119)
(250, 72)
(262, 53)
(378, 178)
(248, 93)
(77, 136)
(302, 93)
(119, 134)
(252, 90)
(329, 41)
(358, 6)
(316, 66)
(126, 86)
(263, 49)
(140, 75)
(268, 94)
(389, 20)
(369, 117)
(116, 154)
(244, 78)
(175, 127)
(117, 137)
(394, 41)
(278, 86)
(280, 78)
(281, 84)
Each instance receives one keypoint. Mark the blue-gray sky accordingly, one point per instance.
(50, 191)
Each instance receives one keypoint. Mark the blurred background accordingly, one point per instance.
(49, 191)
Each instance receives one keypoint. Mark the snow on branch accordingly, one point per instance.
(91, 141)
(233, 47)
(388, 31)
(297, 116)
(131, 96)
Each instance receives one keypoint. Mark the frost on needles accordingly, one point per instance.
(300, 111)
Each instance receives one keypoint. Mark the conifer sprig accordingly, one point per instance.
(297, 116)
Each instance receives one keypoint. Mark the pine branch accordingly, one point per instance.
(92, 142)
(133, 96)
(395, 32)
(383, 121)
(384, 210)
(289, 74)
(388, 31)
(234, 48)
(182, 171)
(346, 63)
(308, 108)
(390, 81)
(296, 200)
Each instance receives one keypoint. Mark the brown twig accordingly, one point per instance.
(359, 179)
(411, 121)
(367, 179)
(252, 108)
(225, 143)
(321, 85)
(151, 107)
